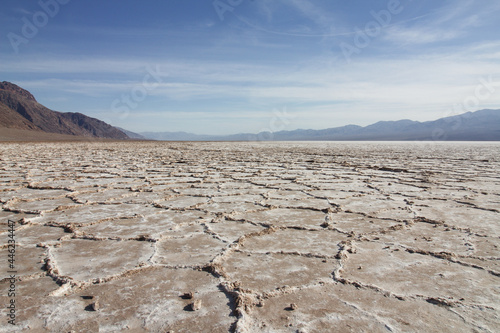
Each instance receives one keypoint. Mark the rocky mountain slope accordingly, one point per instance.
(20, 110)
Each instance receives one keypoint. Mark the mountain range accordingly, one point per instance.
(23, 118)
(482, 125)
(21, 115)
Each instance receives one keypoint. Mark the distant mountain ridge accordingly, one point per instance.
(482, 125)
(20, 110)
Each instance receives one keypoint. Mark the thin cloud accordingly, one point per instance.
(371, 82)
(450, 22)
(419, 35)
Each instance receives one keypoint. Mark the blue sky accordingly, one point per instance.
(230, 66)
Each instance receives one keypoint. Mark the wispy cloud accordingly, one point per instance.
(306, 18)
(315, 14)
(449, 22)
(419, 35)
(414, 80)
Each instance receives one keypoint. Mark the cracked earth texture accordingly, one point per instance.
(252, 237)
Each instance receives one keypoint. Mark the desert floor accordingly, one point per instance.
(251, 237)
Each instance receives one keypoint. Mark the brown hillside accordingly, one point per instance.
(20, 110)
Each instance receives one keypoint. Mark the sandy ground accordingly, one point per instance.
(251, 237)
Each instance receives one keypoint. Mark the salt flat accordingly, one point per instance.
(252, 237)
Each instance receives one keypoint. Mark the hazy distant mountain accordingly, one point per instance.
(175, 136)
(483, 125)
(19, 110)
(131, 135)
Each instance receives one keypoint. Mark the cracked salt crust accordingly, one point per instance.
(195, 250)
(231, 231)
(264, 237)
(285, 217)
(86, 259)
(30, 263)
(315, 242)
(266, 272)
(393, 269)
(342, 308)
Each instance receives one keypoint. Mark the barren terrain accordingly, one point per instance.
(252, 237)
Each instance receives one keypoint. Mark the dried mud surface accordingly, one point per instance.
(252, 237)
